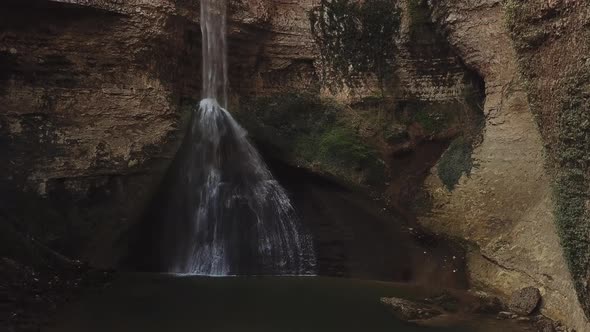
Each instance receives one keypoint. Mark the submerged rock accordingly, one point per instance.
(525, 301)
(445, 301)
(410, 311)
(545, 325)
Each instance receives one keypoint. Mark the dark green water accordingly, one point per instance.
(162, 303)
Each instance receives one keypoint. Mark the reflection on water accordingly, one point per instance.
(147, 302)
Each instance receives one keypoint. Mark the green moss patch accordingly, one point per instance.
(455, 162)
(434, 118)
(307, 131)
(431, 120)
(356, 38)
(573, 182)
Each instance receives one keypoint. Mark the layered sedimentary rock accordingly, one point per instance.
(552, 43)
(505, 206)
(88, 109)
(93, 95)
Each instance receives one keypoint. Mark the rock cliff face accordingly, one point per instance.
(506, 206)
(94, 95)
(91, 98)
(552, 43)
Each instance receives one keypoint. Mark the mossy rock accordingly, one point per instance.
(342, 149)
(573, 180)
(307, 131)
(434, 118)
(455, 162)
(395, 134)
(569, 145)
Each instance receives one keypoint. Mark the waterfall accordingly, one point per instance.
(214, 31)
(236, 218)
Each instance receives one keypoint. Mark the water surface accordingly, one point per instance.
(162, 303)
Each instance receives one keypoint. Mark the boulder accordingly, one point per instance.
(525, 301)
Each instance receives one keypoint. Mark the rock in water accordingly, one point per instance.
(486, 304)
(545, 325)
(525, 301)
(445, 301)
(410, 311)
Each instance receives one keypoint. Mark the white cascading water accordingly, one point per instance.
(241, 220)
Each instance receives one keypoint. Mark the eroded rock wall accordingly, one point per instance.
(88, 108)
(552, 39)
(505, 206)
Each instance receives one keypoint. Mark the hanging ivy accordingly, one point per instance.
(356, 38)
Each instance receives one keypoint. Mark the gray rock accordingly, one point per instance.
(545, 325)
(525, 301)
(486, 304)
(410, 311)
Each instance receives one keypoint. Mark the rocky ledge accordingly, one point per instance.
(450, 306)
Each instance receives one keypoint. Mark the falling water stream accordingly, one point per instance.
(214, 46)
(239, 219)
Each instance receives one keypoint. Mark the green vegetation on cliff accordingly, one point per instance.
(573, 179)
(564, 120)
(455, 162)
(356, 38)
(314, 133)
